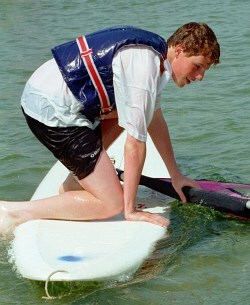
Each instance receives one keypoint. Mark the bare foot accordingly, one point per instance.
(8, 221)
(12, 214)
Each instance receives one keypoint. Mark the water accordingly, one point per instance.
(206, 258)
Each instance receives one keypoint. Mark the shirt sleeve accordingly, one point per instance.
(136, 76)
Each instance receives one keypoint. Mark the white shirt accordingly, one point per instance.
(137, 86)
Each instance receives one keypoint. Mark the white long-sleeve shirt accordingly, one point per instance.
(138, 84)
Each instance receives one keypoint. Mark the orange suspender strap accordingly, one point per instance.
(85, 53)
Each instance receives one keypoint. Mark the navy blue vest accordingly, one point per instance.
(104, 45)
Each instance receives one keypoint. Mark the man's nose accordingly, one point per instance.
(200, 74)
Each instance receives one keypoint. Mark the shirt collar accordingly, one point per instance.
(168, 70)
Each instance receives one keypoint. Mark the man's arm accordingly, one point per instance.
(134, 155)
(159, 133)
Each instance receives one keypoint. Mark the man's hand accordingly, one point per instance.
(180, 181)
(148, 217)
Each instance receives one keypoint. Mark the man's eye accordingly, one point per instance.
(199, 68)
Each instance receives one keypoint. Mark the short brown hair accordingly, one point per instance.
(197, 39)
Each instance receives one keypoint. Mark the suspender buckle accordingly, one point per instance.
(106, 110)
(86, 53)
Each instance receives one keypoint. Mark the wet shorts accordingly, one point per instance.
(78, 148)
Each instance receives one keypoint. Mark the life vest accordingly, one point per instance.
(86, 64)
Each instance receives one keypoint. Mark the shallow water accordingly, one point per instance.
(206, 258)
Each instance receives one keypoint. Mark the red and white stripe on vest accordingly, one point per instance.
(86, 55)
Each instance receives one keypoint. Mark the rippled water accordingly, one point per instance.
(206, 258)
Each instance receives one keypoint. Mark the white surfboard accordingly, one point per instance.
(94, 250)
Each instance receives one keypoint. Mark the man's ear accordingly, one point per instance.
(178, 50)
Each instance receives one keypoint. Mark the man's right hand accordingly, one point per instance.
(147, 217)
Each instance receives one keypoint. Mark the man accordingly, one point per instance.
(79, 102)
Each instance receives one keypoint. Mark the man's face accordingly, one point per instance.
(188, 69)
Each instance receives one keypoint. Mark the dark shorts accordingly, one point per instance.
(78, 148)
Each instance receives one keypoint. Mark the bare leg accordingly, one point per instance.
(70, 184)
(110, 131)
(101, 198)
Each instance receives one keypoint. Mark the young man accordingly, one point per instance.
(79, 102)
